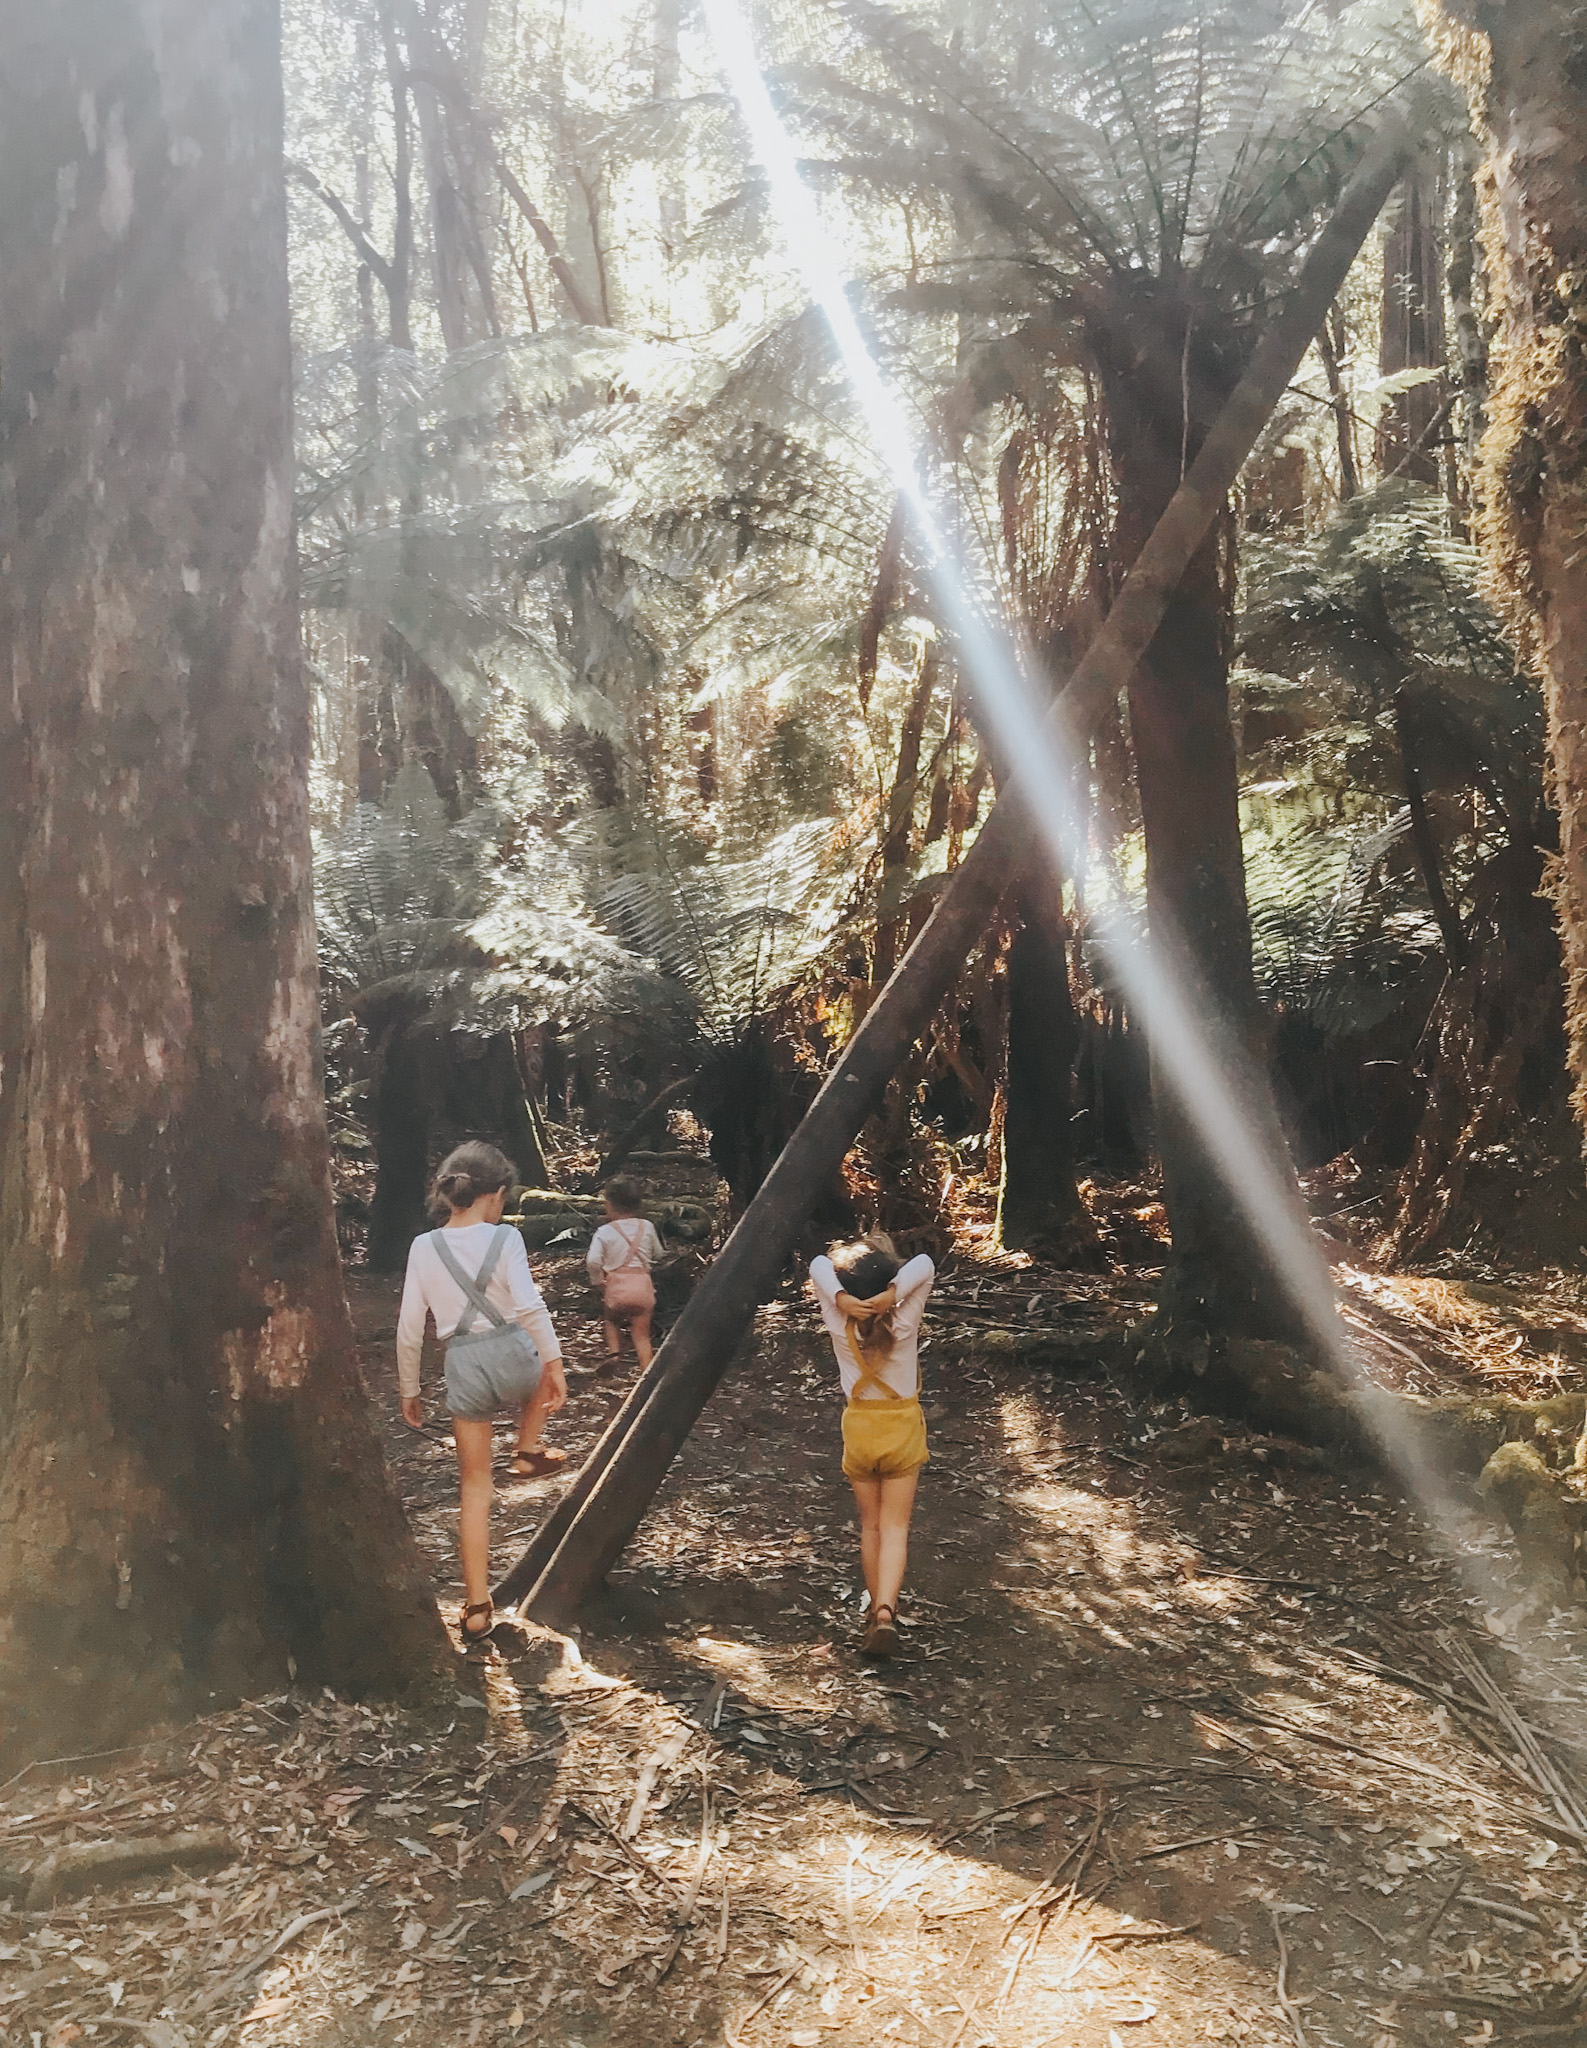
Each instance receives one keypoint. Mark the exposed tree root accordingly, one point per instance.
(1526, 1457)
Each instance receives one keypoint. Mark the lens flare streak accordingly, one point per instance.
(989, 653)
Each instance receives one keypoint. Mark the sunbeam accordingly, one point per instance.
(1183, 1051)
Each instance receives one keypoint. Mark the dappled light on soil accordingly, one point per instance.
(1148, 1701)
(795, 621)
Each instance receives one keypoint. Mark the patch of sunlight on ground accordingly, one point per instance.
(732, 1659)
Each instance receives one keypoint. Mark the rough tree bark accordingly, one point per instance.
(1165, 346)
(192, 1501)
(1524, 64)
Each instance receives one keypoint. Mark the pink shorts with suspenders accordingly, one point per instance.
(627, 1289)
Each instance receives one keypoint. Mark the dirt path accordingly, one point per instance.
(1165, 1700)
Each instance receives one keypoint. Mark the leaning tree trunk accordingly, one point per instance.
(193, 1503)
(1218, 1277)
(1522, 63)
(590, 1524)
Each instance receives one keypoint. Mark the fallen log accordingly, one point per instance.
(85, 1865)
(542, 1214)
(622, 1475)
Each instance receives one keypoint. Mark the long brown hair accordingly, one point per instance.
(867, 1266)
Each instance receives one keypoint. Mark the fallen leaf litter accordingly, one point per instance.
(1178, 1751)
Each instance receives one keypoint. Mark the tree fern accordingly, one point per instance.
(1091, 141)
(728, 935)
(1376, 618)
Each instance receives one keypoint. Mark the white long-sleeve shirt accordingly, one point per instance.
(511, 1291)
(900, 1368)
(609, 1247)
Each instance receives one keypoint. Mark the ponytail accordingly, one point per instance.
(874, 1335)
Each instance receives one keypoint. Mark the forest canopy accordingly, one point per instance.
(642, 744)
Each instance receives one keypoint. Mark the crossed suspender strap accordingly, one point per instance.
(869, 1377)
(631, 1248)
(475, 1288)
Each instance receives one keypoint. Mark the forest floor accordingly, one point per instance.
(1192, 1738)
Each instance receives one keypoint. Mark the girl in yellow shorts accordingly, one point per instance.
(872, 1304)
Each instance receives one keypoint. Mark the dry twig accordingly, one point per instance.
(1287, 2004)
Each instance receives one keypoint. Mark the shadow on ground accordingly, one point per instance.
(1169, 1700)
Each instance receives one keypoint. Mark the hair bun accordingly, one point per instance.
(468, 1172)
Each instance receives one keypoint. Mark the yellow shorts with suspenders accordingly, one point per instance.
(884, 1434)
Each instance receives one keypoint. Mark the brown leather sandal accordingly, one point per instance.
(881, 1636)
(472, 1637)
(537, 1464)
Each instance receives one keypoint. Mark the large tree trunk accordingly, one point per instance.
(1038, 1201)
(1522, 63)
(1218, 1278)
(193, 1503)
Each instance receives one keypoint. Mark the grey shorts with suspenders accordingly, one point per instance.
(491, 1369)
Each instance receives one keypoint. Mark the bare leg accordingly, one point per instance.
(472, 1435)
(614, 1341)
(639, 1330)
(868, 1499)
(532, 1417)
(885, 1507)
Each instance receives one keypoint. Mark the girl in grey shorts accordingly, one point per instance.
(502, 1354)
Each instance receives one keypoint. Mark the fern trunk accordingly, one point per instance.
(192, 1497)
(1411, 331)
(1162, 393)
(434, 1087)
(1525, 66)
(1038, 1201)
(405, 1105)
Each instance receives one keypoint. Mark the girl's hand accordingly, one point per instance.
(556, 1385)
(413, 1411)
(878, 1304)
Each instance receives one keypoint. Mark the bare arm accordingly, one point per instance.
(410, 1329)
